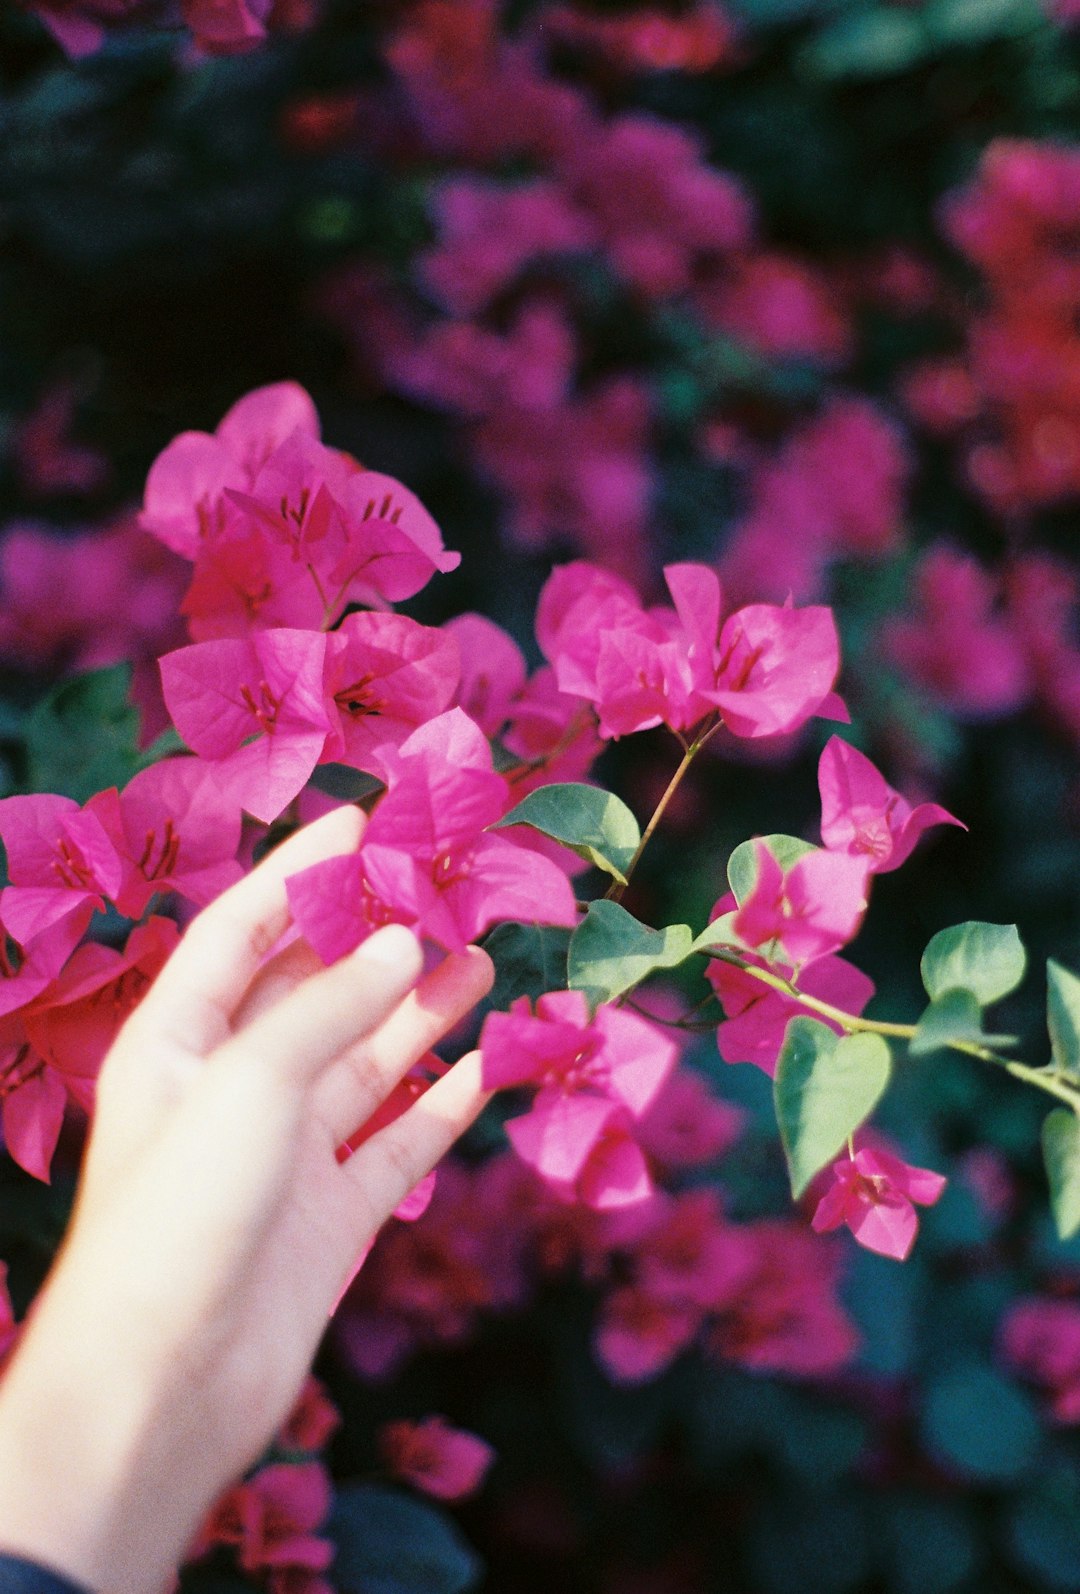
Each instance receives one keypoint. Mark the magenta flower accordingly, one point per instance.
(271, 1520)
(687, 1125)
(1041, 1338)
(767, 669)
(254, 708)
(174, 829)
(425, 858)
(443, 1461)
(595, 1077)
(813, 908)
(753, 1031)
(493, 671)
(184, 501)
(862, 815)
(875, 1194)
(385, 676)
(639, 1334)
(62, 863)
(786, 1317)
(51, 1050)
(777, 669)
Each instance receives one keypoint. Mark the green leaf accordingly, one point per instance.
(594, 823)
(721, 932)
(611, 951)
(389, 1543)
(83, 737)
(742, 865)
(981, 1424)
(1063, 1016)
(1061, 1153)
(975, 22)
(986, 959)
(953, 1016)
(529, 959)
(825, 1087)
(868, 43)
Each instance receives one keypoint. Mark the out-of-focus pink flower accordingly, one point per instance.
(1040, 1337)
(781, 306)
(686, 1124)
(443, 1461)
(271, 1523)
(81, 602)
(956, 643)
(786, 1317)
(312, 1420)
(48, 460)
(833, 491)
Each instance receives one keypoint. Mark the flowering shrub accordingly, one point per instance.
(710, 308)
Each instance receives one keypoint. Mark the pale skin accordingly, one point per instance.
(214, 1228)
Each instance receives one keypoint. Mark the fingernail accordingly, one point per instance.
(394, 947)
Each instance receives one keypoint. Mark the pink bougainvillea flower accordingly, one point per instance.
(254, 708)
(862, 815)
(595, 1079)
(583, 1148)
(72, 1025)
(446, 1462)
(61, 864)
(753, 1031)
(767, 669)
(270, 1521)
(294, 497)
(874, 1194)
(777, 668)
(391, 545)
(578, 604)
(442, 792)
(425, 859)
(184, 501)
(32, 1102)
(1040, 1337)
(813, 908)
(691, 1254)
(385, 676)
(786, 1317)
(638, 1334)
(312, 1420)
(687, 1125)
(51, 1051)
(174, 829)
(337, 906)
(493, 672)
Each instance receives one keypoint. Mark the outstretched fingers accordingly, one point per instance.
(293, 1041)
(356, 1084)
(380, 1174)
(195, 997)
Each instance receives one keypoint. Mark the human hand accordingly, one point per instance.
(214, 1226)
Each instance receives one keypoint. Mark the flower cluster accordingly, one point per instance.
(217, 27)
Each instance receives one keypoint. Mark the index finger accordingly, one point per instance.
(194, 998)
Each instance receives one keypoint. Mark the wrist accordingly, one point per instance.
(84, 1486)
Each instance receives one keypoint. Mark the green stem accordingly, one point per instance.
(1043, 1079)
(692, 749)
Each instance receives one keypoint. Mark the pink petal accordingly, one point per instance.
(32, 1118)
